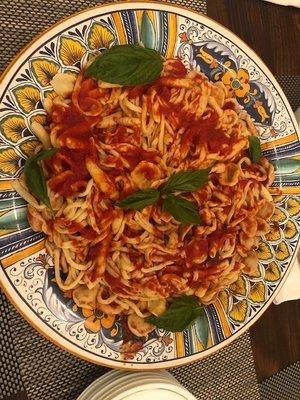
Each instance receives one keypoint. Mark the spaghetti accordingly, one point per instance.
(115, 140)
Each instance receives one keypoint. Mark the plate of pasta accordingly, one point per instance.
(149, 185)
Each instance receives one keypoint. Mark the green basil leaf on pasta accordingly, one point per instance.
(255, 148)
(181, 313)
(127, 65)
(140, 199)
(34, 176)
(181, 209)
(187, 181)
(43, 155)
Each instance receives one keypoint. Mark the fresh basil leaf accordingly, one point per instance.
(140, 199)
(127, 65)
(181, 209)
(181, 313)
(255, 148)
(43, 155)
(186, 181)
(34, 176)
(36, 183)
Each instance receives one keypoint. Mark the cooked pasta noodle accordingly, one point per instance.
(116, 140)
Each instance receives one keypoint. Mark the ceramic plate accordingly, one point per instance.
(202, 44)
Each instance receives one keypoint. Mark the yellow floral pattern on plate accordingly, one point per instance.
(100, 37)
(12, 126)
(27, 97)
(272, 273)
(239, 311)
(9, 161)
(71, 50)
(44, 70)
(274, 250)
(39, 118)
(29, 146)
(257, 292)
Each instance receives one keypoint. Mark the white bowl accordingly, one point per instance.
(120, 385)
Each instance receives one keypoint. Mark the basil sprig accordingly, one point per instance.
(140, 199)
(181, 313)
(34, 176)
(255, 148)
(186, 181)
(127, 65)
(181, 209)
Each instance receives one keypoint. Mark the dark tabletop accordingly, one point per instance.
(274, 33)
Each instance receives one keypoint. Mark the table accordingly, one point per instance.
(271, 31)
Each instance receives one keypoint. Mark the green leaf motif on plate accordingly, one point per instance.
(272, 273)
(201, 325)
(10, 203)
(14, 219)
(286, 166)
(147, 33)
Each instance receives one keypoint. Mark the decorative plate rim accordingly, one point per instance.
(5, 284)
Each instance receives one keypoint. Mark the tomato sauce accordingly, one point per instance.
(229, 105)
(116, 285)
(131, 233)
(76, 140)
(88, 233)
(94, 251)
(71, 226)
(73, 162)
(203, 130)
(177, 69)
(77, 136)
(68, 116)
(134, 256)
(219, 237)
(202, 195)
(137, 91)
(196, 249)
(134, 155)
(87, 86)
(121, 135)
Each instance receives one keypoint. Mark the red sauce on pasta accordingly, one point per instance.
(71, 173)
(70, 226)
(138, 91)
(177, 69)
(229, 105)
(196, 249)
(134, 155)
(88, 233)
(115, 283)
(120, 140)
